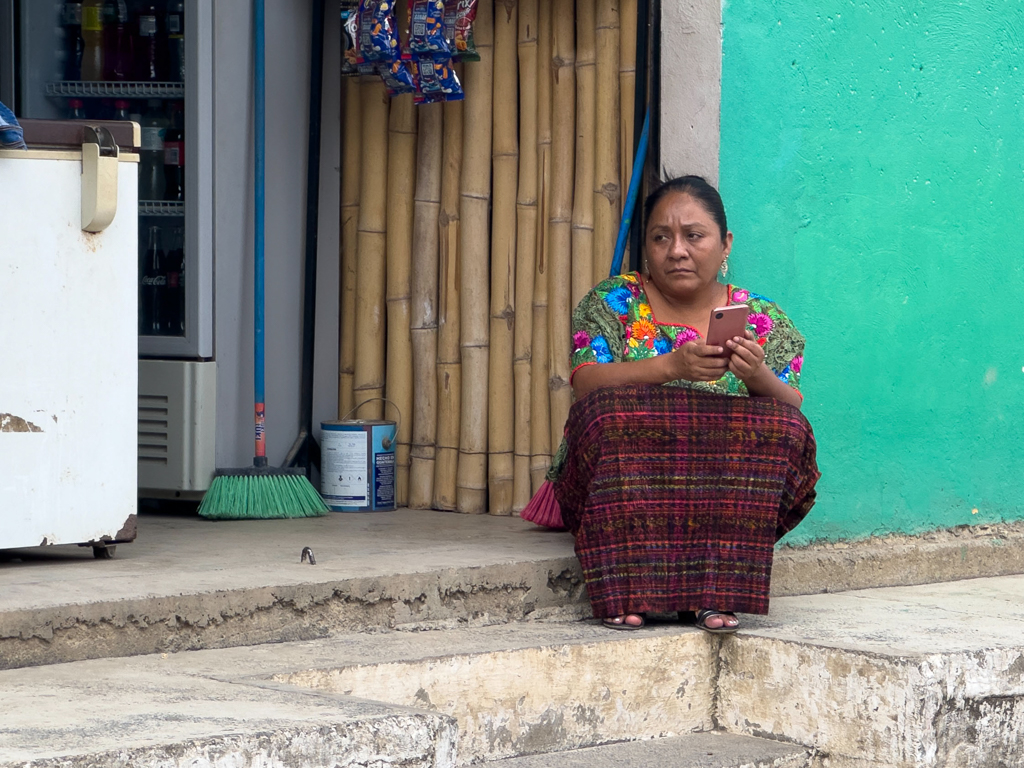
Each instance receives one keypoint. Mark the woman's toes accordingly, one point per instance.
(632, 619)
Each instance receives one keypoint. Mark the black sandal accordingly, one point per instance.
(707, 613)
(611, 622)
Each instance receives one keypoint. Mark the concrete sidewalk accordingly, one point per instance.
(188, 583)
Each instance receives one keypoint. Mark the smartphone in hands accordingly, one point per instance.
(725, 323)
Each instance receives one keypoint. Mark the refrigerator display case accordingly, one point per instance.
(151, 63)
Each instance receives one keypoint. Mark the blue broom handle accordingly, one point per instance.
(259, 383)
(634, 190)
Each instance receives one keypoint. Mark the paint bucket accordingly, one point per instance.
(357, 465)
(357, 462)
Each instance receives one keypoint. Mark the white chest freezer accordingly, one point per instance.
(68, 344)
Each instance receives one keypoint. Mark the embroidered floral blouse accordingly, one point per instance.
(614, 323)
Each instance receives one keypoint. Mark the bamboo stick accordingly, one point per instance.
(424, 304)
(563, 134)
(505, 180)
(474, 255)
(526, 250)
(627, 91)
(606, 154)
(449, 366)
(540, 402)
(368, 374)
(583, 201)
(350, 164)
(401, 190)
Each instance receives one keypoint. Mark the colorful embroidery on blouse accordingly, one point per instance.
(615, 323)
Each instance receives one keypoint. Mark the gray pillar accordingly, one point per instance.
(691, 87)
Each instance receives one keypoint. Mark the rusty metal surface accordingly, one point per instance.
(129, 530)
(11, 423)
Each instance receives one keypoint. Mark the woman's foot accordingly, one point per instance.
(717, 622)
(625, 621)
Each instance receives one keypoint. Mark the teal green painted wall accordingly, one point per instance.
(872, 165)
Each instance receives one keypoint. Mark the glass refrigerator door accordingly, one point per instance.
(150, 62)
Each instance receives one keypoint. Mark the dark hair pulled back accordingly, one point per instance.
(696, 187)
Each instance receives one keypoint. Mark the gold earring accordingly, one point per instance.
(725, 266)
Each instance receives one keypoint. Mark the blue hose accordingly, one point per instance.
(634, 190)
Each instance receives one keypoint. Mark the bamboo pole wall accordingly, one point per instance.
(449, 357)
(504, 184)
(474, 259)
(563, 161)
(606, 137)
(350, 165)
(540, 369)
(470, 230)
(401, 199)
(368, 373)
(526, 252)
(586, 106)
(424, 304)
(627, 93)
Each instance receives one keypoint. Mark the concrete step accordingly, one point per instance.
(929, 677)
(694, 750)
(156, 713)
(406, 698)
(188, 583)
(912, 677)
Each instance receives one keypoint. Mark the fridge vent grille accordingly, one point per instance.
(177, 419)
(154, 412)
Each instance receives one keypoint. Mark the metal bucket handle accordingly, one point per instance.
(387, 441)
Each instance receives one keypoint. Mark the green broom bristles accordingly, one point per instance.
(261, 494)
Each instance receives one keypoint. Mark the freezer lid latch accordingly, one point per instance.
(99, 179)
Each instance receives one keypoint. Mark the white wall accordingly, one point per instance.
(287, 94)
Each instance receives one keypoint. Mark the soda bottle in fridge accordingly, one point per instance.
(92, 35)
(148, 55)
(76, 109)
(175, 26)
(119, 54)
(121, 110)
(151, 155)
(174, 303)
(74, 45)
(174, 156)
(153, 287)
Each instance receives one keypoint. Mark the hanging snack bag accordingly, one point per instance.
(426, 30)
(349, 38)
(378, 33)
(458, 20)
(438, 79)
(396, 77)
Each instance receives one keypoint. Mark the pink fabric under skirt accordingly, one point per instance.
(543, 508)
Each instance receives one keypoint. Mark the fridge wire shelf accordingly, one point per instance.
(161, 208)
(115, 89)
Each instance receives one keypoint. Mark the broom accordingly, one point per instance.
(260, 491)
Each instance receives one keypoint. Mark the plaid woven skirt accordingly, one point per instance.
(676, 497)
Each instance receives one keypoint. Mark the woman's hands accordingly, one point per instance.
(747, 364)
(747, 358)
(696, 361)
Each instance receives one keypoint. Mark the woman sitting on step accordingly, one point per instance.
(677, 494)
